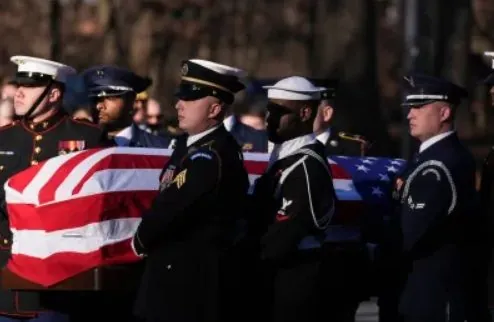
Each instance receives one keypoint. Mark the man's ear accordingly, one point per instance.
(446, 113)
(306, 113)
(55, 94)
(215, 109)
(327, 113)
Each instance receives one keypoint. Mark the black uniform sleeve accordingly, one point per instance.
(307, 202)
(428, 199)
(198, 179)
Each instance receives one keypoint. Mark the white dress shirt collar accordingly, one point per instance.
(433, 140)
(196, 137)
(324, 136)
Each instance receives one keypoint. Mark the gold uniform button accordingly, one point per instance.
(37, 150)
(31, 126)
(38, 137)
(34, 162)
(5, 241)
(1, 167)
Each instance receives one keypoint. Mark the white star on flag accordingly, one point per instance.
(361, 167)
(367, 161)
(384, 177)
(396, 162)
(392, 169)
(377, 191)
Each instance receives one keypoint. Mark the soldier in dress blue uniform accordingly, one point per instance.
(190, 227)
(43, 131)
(437, 207)
(114, 90)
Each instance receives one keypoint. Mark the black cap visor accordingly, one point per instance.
(32, 79)
(191, 92)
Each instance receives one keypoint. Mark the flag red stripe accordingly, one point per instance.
(47, 192)
(255, 167)
(81, 211)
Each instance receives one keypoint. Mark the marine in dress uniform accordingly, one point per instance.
(188, 230)
(43, 131)
(113, 90)
(437, 207)
(294, 198)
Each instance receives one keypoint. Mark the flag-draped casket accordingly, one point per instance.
(78, 212)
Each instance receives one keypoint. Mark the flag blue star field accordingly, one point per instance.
(369, 178)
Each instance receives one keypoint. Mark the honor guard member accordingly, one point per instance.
(351, 256)
(43, 131)
(248, 137)
(113, 91)
(295, 199)
(437, 206)
(336, 142)
(190, 225)
(252, 138)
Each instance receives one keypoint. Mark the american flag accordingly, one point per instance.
(79, 211)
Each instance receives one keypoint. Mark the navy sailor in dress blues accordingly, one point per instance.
(436, 196)
(294, 198)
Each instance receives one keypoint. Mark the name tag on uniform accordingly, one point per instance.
(65, 147)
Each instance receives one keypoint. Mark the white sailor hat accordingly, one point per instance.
(36, 71)
(294, 88)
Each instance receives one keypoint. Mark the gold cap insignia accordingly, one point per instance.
(185, 69)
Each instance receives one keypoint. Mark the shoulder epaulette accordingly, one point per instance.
(364, 144)
(352, 137)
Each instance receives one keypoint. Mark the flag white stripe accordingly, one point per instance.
(31, 192)
(85, 239)
(112, 180)
(345, 190)
(73, 178)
